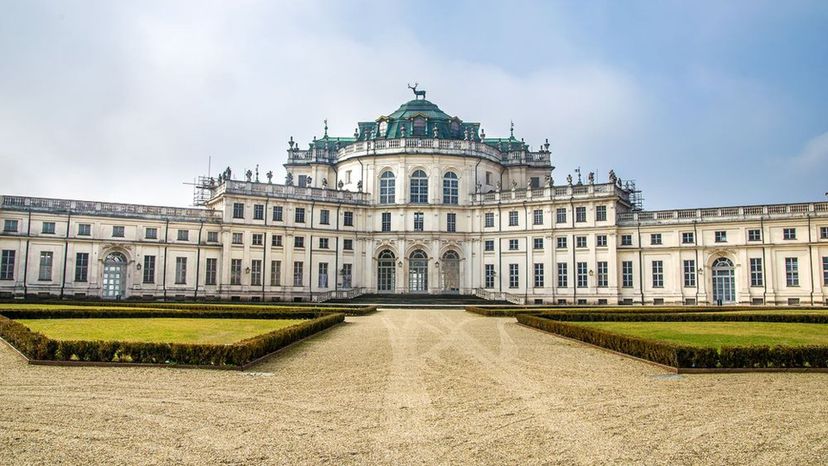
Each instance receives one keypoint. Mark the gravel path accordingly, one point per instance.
(413, 387)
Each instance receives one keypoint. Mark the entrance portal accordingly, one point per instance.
(386, 278)
(418, 272)
(114, 276)
(724, 283)
(450, 272)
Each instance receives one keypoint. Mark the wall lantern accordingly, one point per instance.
(138, 266)
(399, 264)
(591, 273)
(247, 270)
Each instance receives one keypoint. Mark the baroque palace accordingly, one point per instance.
(416, 202)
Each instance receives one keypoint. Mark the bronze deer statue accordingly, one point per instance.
(417, 93)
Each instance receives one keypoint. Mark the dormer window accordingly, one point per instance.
(419, 126)
(383, 128)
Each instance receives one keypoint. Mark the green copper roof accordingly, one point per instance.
(416, 107)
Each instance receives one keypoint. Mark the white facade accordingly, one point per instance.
(485, 218)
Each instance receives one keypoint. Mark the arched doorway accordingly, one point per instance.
(450, 272)
(386, 278)
(114, 276)
(724, 283)
(418, 272)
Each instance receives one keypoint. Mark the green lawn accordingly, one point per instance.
(718, 334)
(157, 330)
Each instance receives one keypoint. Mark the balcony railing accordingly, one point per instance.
(723, 213)
(420, 146)
(293, 192)
(107, 208)
(553, 193)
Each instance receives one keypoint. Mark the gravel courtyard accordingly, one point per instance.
(419, 387)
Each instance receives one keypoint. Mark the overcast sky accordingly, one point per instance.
(702, 103)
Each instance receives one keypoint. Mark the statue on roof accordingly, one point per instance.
(549, 181)
(289, 179)
(220, 178)
(248, 175)
(612, 177)
(269, 176)
(417, 94)
(227, 174)
(324, 183)
(569, 179)
(435, 131)
(257, 173)
(591, 177)
(359, 185)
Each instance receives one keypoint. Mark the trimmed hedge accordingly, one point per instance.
(502, 312)
(172, 311)
(687, 317)
(36, 346)
(684, 356)
(509, 311)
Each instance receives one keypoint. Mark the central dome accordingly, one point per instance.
(420, 107)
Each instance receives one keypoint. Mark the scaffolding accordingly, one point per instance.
(636, 196)
(203, 189)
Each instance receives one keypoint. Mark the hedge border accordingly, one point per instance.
(39, 349)
(511, 311)
(685, 358)
(687, 317)
(156, 310)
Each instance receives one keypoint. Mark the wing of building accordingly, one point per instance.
(416, 201)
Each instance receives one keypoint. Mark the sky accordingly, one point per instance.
(702, 103)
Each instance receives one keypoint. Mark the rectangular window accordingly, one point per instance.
(238, 238)
(823, 232)
(238, 210)
(488, 245)
(580, 241)
(386, 221)
(789, 233)
(534, 182)
(757, 273)
(298, 271)
(10, 226)
(275, 273)
(513, 218)
(490, 276)
(560, 242)
(537, 243)
(180, 270)
(276, 241)
(7, 258)
(419, 221)
(151, 233)
(348, 176)
(626, 240)
(303, 181)
(658, 274)
(825, 270)
(655, 238)
(323, 275)
(514, 276)
(348, 219)
(278, 214)
(211, 271)
(560, 216)
(81, 266)
(792, 271)
(235, 271)
(299, 242)
(720, 236)
(580, 214)
(688, 238)
(299, 215)
(324, 217)
(149, 269)
(581, 269)
(347, 275)
(323, 243)
(489, 220)
(256, 272)
(48, 228)
(562, 275)
(601, 213)
(348, 244)
(84, 229)
(602, 274)
(538, 275)
(45, 273)
(537, 217)
(258, 212)
(183, 235)
(451, 222)
(601, 241)
(690, 273)
(627, 274)
(754, 235)
(513, 245)
(212, 237)
(257, 239)
(117, 232)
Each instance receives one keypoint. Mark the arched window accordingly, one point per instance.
(387, 188)
(386, 276)
(450, 188)
(419, 188)
(418, 271)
